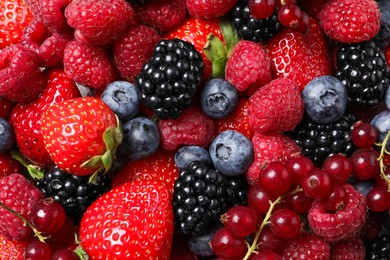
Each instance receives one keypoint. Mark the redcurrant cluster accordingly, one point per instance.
(289, 14)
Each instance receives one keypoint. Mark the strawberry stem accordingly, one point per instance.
(381, 160)
(35, 172)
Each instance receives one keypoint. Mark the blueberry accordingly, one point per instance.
(7, 136)
(219, 98)
(381, 122)
(141, 138)
(200, 244)
(122, 98)
(387, 98)
(363, 186)
(187, 154)
(382, 39)
(231, 153)
(325, 99)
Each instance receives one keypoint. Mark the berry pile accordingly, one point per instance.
(187, 129)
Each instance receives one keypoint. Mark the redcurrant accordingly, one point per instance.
(316, 184)
(275, 178)
(240, 220)
(285, 223)
(261, 9)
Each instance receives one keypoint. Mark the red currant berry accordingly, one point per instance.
(289, 15)
(378, 199)
(336, 199)
(240, 220)
(372, 227)
(64, 254)
(259, 199)
(280, 3)
(298, 202)
(275, 178)
(303, 23)
(261, 9)
(285, 223)
(339, 168)
(365, 165)
(299, 166)
(37, 250)
(226, 245)
(268, 240)
(316, 184)
(266, 254)
(364, 135)
(48, 216)
(65, 235)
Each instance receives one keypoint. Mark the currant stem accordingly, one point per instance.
(35, 172)
(381, 162)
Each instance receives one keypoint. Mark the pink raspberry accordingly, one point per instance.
(192, 128)
(269, 148)
(248, 67)
(206, 9)
(307, 246)
(348, 249)
(342, 224)
(276, 107)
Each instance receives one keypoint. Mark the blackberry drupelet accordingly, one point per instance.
(199, 198)
(379, 249)
(318, 141)
(363, 69)
(237, 190)
(169, 79)
(253, 29)
(75, 193)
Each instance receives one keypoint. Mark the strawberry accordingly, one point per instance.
(299, 56)
(206, 9)
(26, 118)
(81, 135)
(12, 249)
(14, 17)
(131, 221)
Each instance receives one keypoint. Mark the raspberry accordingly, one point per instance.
(348, 249)
(342, 224)
(88, 65)
(269, 148)
(21, 195)
(162, 15)
(248, 66)
(268, 112)
(351, 21)
(206, 9)
(192, 128)
(307, 246)
(133, 49)
(21, 80)
(99, 22)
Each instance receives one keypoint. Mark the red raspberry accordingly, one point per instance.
(21, 195)
(351, 21)
(307, 246)
(269, 148)
(248, 66)
(21, 79)
(133, 49)
(88, 65)
(348, 249)
(206, 9)
(276, 107)
(192, 128)
(162, 15)
(342, 224)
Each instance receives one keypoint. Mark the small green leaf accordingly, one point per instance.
(109, 139)
(94, 162)
(218, 67)
(107, 159)
(230, 35)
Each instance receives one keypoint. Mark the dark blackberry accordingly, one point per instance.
(363, 69)
(237, 190)
(199, 198)
(75, 193)
(253, 29)
(169, 79)
(318, 141)
(379, 249)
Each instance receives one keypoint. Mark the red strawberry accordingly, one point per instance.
(299, 56)
(307, 246)
(99, 22)
(196, 31)
(351, 21)
(11, 249)
(268, 112)
(14, 17)
(133, 49)
(8, 165)
(348, 249)
(158, 167)
(26, 118)
(269, 148)
(81, 135)
(206, 9)
(131, 221)
(5, 108)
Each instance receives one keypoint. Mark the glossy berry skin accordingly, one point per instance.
(219, 98)
(37, 250)
(378, 199)
(240, 220)
(48, 216)
(289, 15)
(275, 178)
(298, 202)
(261, 9)
(231, 153)
(64, 254)
(7, 135)
(122, 98)
(381, 122)
(259, 199)
(187, 154)
(365, 165)
(364, 135)
(285, 223)
(226, 245)
(335, 199)
(298, 166)
(339, 168)
(200, 244)
(316, 184)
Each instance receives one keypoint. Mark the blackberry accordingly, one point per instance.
(169, 79)
(75, 193)
(237, 190)
(253, 29)
(200, 197)
(363, 70)
(379, 249)
(318, 141)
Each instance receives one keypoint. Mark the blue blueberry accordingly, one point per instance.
(364, 186)
(231, 153)
(387, 98)
(141, 138)
(122, 98)
(381, 122)
(219, 98)
(7, 136)
(382, 39)
(200, 244)
(325, 99)
(187, 154)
